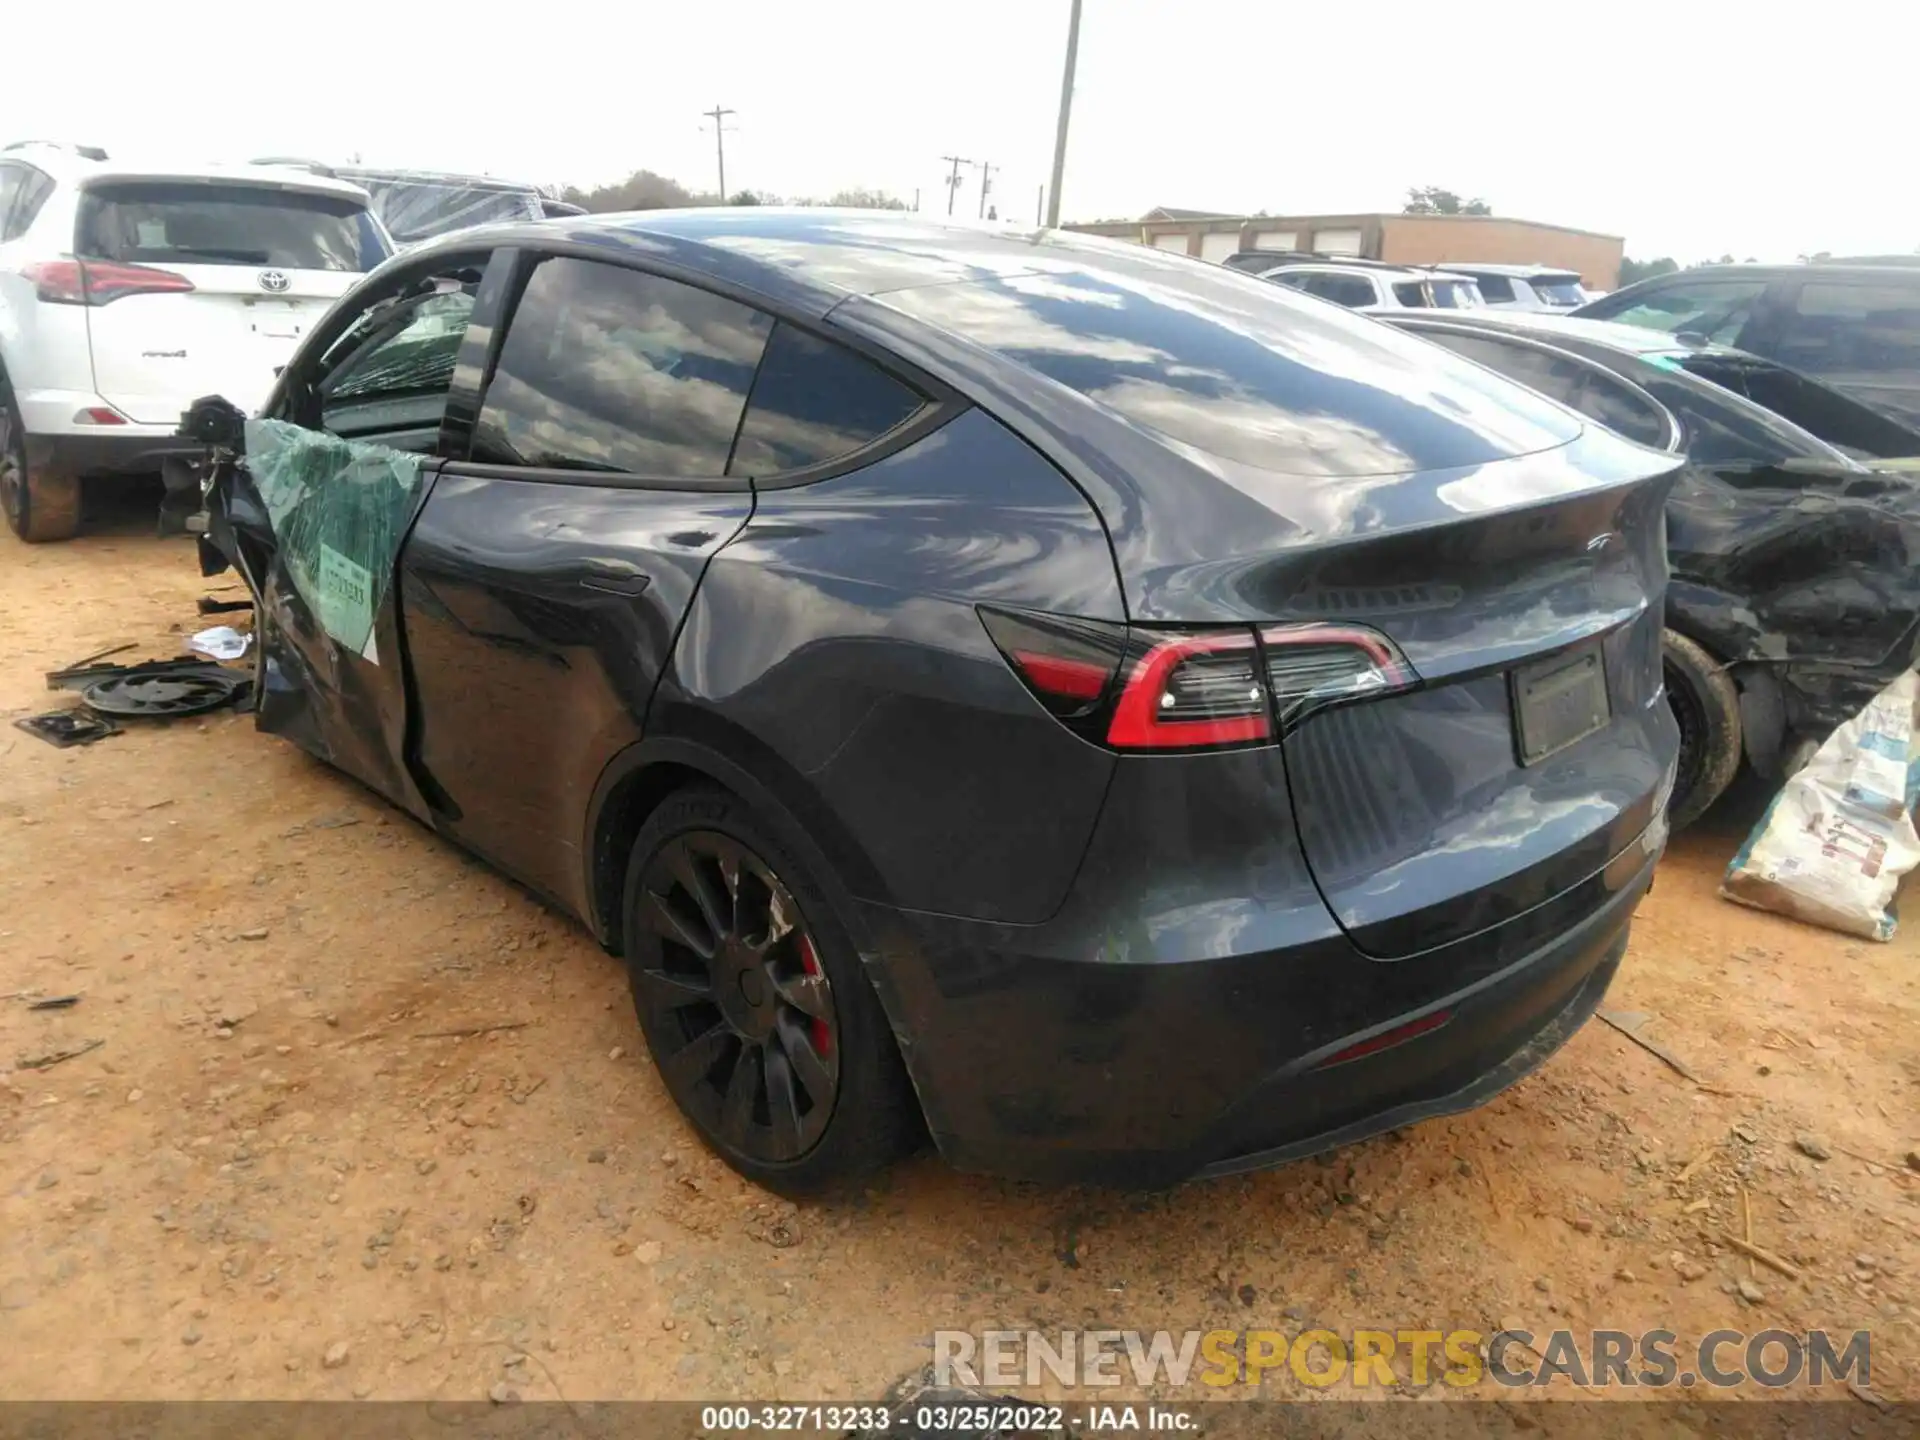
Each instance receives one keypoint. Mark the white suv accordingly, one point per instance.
(129, 291)
(1524, 287)
(1372, 285)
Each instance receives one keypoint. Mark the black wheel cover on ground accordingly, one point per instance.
(161, 696)
(735, 1003)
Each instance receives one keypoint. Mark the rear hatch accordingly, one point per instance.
(204, 286)
(1456, 584)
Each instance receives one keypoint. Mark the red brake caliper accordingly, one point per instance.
(821, 1036)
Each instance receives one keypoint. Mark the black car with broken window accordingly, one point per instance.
(1123, 717)
(1793, 534)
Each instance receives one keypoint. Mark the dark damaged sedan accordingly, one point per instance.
(1132, 719)
(1794, 599)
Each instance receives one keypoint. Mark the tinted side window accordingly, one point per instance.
(1552, 376)
(1348, 290)
(12, 178)
(34, 190)
(1408, 292)
(1838, 329)
(1723, 429)
(605, 368)
(1614, 404)
(814, 401)
(1495, 289)
(1580, 387)
(1716, 309)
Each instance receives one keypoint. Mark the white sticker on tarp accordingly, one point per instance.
(345, 601)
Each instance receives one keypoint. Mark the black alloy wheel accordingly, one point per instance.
(736, 1005)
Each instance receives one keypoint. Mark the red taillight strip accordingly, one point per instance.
(99, 282)
(1136, 723)
(1059, 675)
(1387, 1039)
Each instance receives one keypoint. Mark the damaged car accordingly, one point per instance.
(1793, 535)
(1122, 718)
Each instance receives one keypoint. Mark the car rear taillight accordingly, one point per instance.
(1312, 666)
(1191, 691)
(1067, 663)
(99, 282)
(1135, 688)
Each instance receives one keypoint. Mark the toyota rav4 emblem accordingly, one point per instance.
(274, 281)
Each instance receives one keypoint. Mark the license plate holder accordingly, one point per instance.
(1557, 703)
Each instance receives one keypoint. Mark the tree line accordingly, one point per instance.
(647, 190)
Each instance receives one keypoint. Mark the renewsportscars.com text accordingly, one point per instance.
(1723, 1359)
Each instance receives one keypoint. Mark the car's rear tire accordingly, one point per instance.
(40, 504)
(754, 1002)
(1707, 707)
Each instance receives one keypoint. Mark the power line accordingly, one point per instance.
(953, 178)
(718, 115)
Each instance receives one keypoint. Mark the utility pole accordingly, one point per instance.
(953, 177)
(1040, 206)
(1066, 109)
(718, 115)
(916, 199)
(986, 185)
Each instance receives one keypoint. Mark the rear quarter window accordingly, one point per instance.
(170, 223)
(814, 401)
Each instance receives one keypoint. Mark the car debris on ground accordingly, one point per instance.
(67, 728)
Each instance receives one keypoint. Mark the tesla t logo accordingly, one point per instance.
(273, 281)
(1601, 542)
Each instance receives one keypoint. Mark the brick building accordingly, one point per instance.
(1406, 239)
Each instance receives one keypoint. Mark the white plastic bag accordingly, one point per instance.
(1837, 838)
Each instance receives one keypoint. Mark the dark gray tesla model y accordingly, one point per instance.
(1131, 719)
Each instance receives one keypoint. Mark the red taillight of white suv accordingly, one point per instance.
(99, 282)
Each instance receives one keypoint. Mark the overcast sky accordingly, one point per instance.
(1691, 128)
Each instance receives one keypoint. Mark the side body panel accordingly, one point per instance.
(538, 617)
(839, 631)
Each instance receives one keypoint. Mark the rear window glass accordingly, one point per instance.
(418, 209)
(814, 401)
(207, 224)
(1560, 290)
(1246, 371)
(1455, 294)
(1495, 289)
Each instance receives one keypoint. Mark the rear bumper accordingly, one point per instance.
(56, 443)
(129, 450)
(1141, 1075)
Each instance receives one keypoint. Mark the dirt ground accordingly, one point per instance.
(284, 1172)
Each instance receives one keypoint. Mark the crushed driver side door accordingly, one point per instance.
(314, 506)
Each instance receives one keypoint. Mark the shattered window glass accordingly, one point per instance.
(338, 509)
(400, 378)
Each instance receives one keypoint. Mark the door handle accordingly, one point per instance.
(614, 577)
